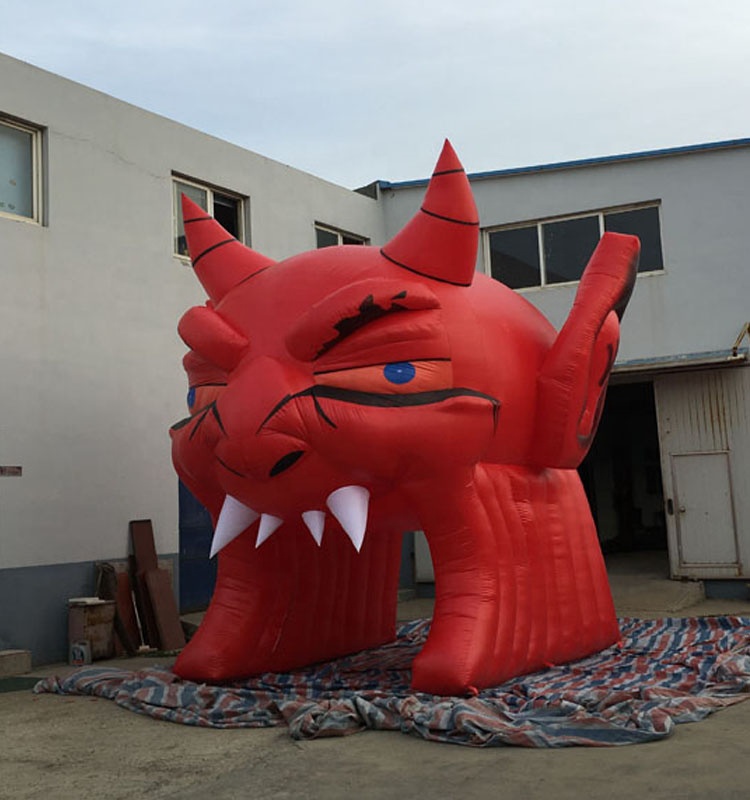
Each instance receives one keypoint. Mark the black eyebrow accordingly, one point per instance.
(369, 311)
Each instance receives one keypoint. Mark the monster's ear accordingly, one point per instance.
(573, 380)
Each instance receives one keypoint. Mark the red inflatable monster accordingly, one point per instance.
(346, 395)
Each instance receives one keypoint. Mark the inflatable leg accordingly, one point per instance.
(291, 603)
(519, 577)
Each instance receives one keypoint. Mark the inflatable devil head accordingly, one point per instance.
(348, 394)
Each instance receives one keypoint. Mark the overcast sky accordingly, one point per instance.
(358, 90)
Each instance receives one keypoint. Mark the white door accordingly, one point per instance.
(703, 514)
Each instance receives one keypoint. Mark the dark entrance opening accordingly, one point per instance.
(197, 571)
(622, 472)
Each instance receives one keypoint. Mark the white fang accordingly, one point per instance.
(234, 518)
(268, 524)
(316, 522)
(349, 505)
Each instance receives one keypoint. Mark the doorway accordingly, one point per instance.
(622, 473)
(197, 571)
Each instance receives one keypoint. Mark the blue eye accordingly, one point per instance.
(399, 372)
(191, 397)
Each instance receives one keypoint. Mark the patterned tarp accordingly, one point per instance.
(663, 672)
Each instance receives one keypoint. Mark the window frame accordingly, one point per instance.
(340, 234)
(210, 189)
(541, 221)
(36, 169)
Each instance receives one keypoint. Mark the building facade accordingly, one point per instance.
(94, 279)
(670, 468)
(92, 285)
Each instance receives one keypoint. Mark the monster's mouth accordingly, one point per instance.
(348, 504)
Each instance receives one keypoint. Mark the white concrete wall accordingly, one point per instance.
(699, 302)
(90, 362)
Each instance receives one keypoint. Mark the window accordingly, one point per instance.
(226, 208)
(557, 250)
(20, 152)
(330, 237)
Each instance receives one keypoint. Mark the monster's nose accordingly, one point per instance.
(263, 458)
(285, 462)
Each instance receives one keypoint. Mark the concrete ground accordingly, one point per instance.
(57, 748)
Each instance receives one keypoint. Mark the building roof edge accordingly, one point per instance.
(727, 144)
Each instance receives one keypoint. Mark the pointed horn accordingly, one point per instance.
(219, 260)
(441, 239)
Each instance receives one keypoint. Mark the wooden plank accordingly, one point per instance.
(113, 585)
(146, 615)
(144, 549)
(126, 614)
(145, 558)
(171, 635)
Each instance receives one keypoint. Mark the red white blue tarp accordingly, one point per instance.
(663, 672)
